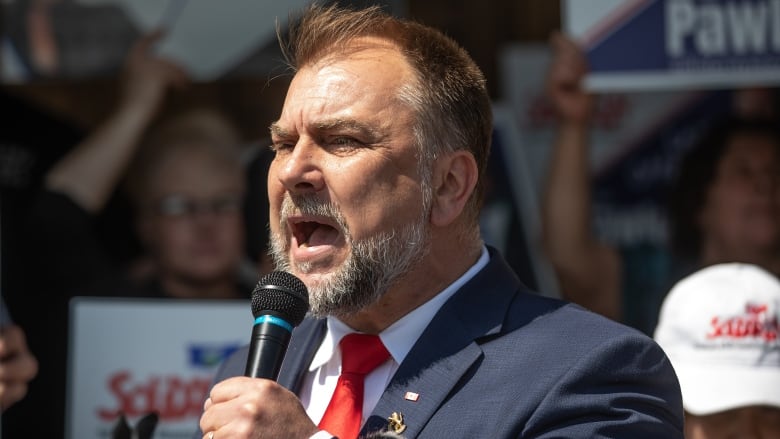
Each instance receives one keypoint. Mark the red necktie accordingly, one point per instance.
(360, 354)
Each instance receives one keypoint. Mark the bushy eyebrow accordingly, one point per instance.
(278, 131)
(330, 125)
(347, 125)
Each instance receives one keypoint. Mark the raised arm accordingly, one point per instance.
(89, 173)
(588, 270)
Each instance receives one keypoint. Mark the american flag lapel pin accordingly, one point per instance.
(411, 396)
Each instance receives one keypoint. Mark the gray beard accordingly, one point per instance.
(371, 268)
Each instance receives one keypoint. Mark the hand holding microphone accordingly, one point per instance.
(279, 303)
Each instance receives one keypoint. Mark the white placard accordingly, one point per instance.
(147, 355)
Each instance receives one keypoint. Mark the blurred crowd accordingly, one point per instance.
(181, 178)
(191, 182)
(723, 208)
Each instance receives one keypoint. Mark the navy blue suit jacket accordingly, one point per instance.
(498, 361)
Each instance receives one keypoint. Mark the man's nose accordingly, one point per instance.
(300, 170)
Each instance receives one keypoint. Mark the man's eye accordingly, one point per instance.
(281, 146)
(345, 142)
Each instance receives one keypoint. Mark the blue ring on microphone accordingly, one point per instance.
(274, 321)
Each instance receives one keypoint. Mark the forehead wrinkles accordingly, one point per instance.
(332, 92)
(314, 93)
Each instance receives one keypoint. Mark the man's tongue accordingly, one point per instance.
(321, 235)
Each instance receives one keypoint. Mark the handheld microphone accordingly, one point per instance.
(279, 303)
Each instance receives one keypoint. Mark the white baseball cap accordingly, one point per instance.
(719, 327)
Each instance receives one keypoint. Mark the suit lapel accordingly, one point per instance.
(447, 349)
(417, 396)
(303, 345)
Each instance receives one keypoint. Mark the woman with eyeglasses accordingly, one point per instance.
(185, 183)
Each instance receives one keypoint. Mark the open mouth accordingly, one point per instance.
(311, 233)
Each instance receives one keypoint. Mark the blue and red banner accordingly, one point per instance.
(666, 44)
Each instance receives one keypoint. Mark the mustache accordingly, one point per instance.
(309, 204)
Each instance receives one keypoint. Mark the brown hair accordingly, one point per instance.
(198, 129)
(697, 171)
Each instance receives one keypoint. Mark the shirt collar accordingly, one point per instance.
(399, 337)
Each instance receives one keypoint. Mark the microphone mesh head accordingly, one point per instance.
(283, 294)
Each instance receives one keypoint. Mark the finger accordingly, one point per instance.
(176, 75)
(21, 368)
(564, 43)
(148, 40)
(566, 48)
(216, 414)
(236, 386)
(142, 48)
(11, 393)
(16, 362)
(12, 342)
(555, 38)
(11, 337)
(567, 69)
(209, 419)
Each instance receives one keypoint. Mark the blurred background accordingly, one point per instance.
(61, 65)
(61, 62)
(663, 73)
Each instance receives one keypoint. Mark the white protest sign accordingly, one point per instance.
(137, 356)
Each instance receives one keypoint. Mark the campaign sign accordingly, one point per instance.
(657, 44)
(133, 357)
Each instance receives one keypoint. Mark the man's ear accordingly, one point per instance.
(454, 179)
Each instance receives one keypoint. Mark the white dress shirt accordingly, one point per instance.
(320, 381)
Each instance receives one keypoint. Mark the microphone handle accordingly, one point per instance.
(270, 338)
